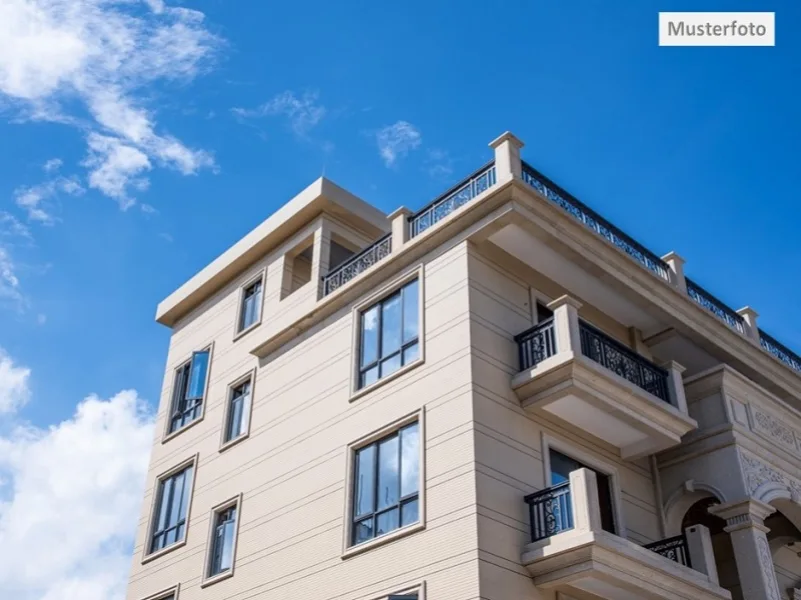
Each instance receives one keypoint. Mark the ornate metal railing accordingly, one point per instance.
(536, 344)
(549, 511)
(716, 307)
(674, 548)
(780, 351)
(622, 361)
(357, 263)
(457, 196)
(592, 220)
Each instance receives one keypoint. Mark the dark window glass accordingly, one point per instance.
(251, 305)
(543, 313)
(189, 389)
(386, 484)
(222, 543)
(169, 525)
(238, 411)
(389, 334)
(410, 596)
(562, 466)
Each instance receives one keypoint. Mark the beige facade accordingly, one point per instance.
(500, 396)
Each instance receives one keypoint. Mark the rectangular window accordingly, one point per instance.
(189, 390)
(389, 334)
(409, 596)
(169, 519)
(222, 541)
(386, 485)
(250, 310)
(561, 468)
(238, 411)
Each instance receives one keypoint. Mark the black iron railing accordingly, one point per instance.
(549, 511)
(536, 344)
(356, 264)
(592, 220)
(780, 351)
(457, 196)
(720, 309)
(623, 361)
(674, 548)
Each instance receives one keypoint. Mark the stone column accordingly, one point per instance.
(749, 316)
(584, 500)
(507, 156)
(399, 221)
(676, 265)
(566, 324)
(676, 384)
(745, 525)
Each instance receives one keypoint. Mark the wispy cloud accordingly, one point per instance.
(14, 391)
(10, 226)
(54, 164)
(103, 56)
(303, 112)
(438, 163)
(9, 282)
(35, 200)
(396, 141)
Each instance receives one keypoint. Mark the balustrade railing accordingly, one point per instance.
(356, 264)
(780, 351)
(592, 220)
(674, 548)
(536, 344)
(454, 198)
(622, 361)
(550, 511)
(723, 312)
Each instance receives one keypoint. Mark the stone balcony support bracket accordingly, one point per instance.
(507, 156)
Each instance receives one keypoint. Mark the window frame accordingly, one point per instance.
(147, 554)
(207, 578)
(170, 593)
(168, 435)
(229, 391)
(240, 331)
(591, 460)
(350, 549)
(379, 296)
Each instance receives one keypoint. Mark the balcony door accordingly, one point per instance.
(561, 468)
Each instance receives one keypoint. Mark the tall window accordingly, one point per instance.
(561, 468)
(222, 541)
(389, 334)
(386, 485)
(169, 525)
(251, 305)
(188, 391)
(238, 411)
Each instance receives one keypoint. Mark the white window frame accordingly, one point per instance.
(168, 435)
(261, 277)
(249, 376)
(170, 593)
(348, 550)
(575, 452)
(385, 291)
(148, 556)
(206, 578)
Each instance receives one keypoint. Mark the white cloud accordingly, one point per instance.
(54, 164)
(14, 391)
(304, 112)
(12, 227)
(35, 199)
(439, 163)
(103, 55)
(69, 499)
(9, 282)
(395, 141)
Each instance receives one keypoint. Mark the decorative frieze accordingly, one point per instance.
(758, 473)
(774, 429)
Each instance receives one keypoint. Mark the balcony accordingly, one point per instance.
(572, 554)
(578, 374)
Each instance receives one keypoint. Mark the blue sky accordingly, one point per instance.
(686, 149)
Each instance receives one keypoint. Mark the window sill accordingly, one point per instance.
(234, 441)
(373, 386)
(159, 553)
(178, 432)
(217, 578)
(240, 334)
(384, 539)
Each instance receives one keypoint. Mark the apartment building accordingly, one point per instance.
(499, 396)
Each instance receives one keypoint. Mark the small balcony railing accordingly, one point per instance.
(536, 344)
(454, 198)
(622, 361)
(357, 264)
(549, 511)
(780, 351)
(715, 306)
(674, 548)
